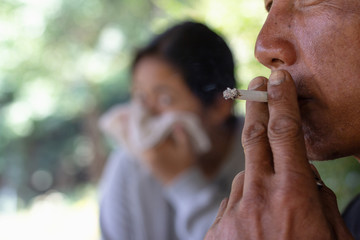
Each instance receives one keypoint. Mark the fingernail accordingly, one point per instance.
(256, 83)
(276, 77)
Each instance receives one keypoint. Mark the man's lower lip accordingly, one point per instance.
(303, 101)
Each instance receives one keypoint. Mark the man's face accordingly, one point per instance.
(318, 43)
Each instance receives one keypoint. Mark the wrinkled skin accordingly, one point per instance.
(313, 114)
(277, 196)
(318, 43)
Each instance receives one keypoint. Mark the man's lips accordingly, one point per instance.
(303, 90)
(301, 98)
(304, 93)
(303, 101)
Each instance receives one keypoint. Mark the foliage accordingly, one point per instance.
(64, 62)
(343, 177)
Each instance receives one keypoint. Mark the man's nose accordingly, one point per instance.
(275, 43)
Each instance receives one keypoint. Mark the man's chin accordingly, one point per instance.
(321, 153)
(317, 148)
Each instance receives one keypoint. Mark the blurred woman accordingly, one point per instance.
(178, 140)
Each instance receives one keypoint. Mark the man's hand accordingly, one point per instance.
(171, 157)
(277, 197)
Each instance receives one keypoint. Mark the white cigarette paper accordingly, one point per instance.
(250, 95)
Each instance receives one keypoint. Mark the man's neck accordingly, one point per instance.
(357, 157)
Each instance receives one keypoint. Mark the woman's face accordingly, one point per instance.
(161, 88)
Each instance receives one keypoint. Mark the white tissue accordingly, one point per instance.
(132, 126)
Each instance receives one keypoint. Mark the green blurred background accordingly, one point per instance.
(62, 64)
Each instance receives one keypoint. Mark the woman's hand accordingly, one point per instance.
(277, 196)
(171, 157)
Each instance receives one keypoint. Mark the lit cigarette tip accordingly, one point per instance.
(250, 95)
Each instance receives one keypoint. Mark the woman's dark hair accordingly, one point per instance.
(199, 54)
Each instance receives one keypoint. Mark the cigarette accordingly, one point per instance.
(250, 95)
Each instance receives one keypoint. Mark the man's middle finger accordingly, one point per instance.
(285, 133)
(258, 157)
